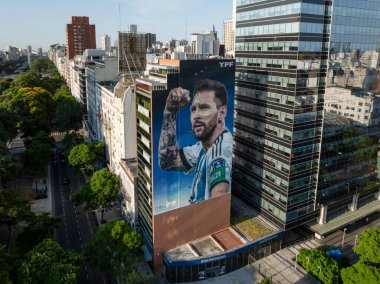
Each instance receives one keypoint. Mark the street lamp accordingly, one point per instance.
(319, 269)
(344, 233)
(356, 237)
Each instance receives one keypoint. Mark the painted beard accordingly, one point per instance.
(203, 131)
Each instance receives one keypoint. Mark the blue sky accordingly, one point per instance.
(40, 23)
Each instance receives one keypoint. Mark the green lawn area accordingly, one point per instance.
(252, 227)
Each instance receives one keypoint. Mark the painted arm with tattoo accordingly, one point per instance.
(169, 150)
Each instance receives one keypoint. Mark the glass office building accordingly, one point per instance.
(296, 61)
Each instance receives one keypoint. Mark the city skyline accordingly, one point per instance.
(40, 24)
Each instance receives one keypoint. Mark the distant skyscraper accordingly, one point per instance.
(29, 53)
(133, 29)
(106, 43)
(205, 43)
(228, 35)
(80, 35)
(39, 52)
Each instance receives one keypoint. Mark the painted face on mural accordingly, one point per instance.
(204, 115)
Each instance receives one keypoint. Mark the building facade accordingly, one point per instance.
(167, 216)
(228, 35)
(205, 43)
(80, 35)
(132, 50)
(295, 61)
(106, 43)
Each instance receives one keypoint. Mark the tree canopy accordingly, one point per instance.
(319, 264)
(361, 273)
(49, 263)
(33, 107)
(100, 193)
(8, 121)
(368, 246)
(38, 152)
(68, 112)
(13, 208)
(10, 166)
(85, 156)
(114, 248)
(39, 228)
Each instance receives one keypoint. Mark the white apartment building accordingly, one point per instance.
(228, 35)
(363, 109)
(112, 120)
(106, 43)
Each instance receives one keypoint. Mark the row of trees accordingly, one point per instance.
(27, 105)
(329, 271)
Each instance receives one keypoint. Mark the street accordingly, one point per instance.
(336, 240)
(77, 226)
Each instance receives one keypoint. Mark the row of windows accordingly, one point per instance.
(352, 8)
(281, 28)
(281, 81)
(246, 2)
(281, 46)
(356, 29)
(262, 173)
(263, 111)
(313, 64)
(263, 142)
(263, 95)
(356, 41)
(261, 157)
(294, 8)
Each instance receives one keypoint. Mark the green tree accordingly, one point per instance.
(8, 121)
(319, 264)
(26, 80)
(34, 108)
(10, 166)
(13, 208)
(68, 113)
(100, 193)
(5, 84)
(114, 248)
(70, 140)
(38, 153)
(7, 262)
(85, 156)
(41, 65)
(368, 246)
(361, 273)
(49, 263)
(39, 228)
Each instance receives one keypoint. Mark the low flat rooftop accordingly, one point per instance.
(207, 246)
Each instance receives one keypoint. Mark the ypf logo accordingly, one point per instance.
(226, 64)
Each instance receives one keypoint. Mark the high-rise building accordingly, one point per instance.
(106, 43)
(296, 61)
(133, 29)
(228, 35)
(205, 43)
(175, 208)
(80, 35)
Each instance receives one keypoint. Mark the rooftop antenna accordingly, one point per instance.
(119, 18)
